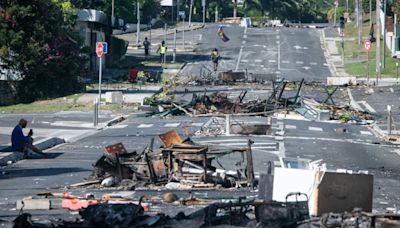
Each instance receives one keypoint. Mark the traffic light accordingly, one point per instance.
(341, 22)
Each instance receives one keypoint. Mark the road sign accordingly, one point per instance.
(182, 13)
(367, 45)
(105, 48)
(101, 48)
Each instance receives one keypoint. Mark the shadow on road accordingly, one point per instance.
(15, 173)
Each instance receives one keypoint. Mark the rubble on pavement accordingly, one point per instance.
(313, 101)
(180, 164)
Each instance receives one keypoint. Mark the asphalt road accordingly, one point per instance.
(65, 125)
(290, 53)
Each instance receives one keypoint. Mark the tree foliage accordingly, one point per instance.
(37, 39)
(305, 11)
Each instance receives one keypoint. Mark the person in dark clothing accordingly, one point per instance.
(146, 45)
(215, 58)
(22, 143)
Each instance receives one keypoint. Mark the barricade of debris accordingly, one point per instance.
(237, 213)
(178, 164)
(220, 103)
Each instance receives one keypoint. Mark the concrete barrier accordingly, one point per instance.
(342, 81)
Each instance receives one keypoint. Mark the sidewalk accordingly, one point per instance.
(332, 54)
(48, 134)
(157, 35)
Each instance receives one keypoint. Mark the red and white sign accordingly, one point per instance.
(367, 45)
(99, 49)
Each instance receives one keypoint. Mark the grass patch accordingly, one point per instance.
(356, 57)
(69, 103)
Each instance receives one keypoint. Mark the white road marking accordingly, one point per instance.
(366, 133)
(172, 125)
(196, 124)
(391, 90)
(313, 63)
(145, 125)
(240, 56)
(290, 126)
(119, 126)
(325, 64)
(306, 68)
(243, 42)
(299, 62)
(285, 61)
(258, 60)
(244, 61)
(314, 128)
(245, 36)
(272, 61)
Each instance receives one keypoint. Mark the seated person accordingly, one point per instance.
(133, 73)
(23, 144)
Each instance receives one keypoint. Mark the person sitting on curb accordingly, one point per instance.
(24, 144)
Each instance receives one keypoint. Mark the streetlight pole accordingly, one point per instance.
(112, 12)
(138, 23)
(378, 42)
(203, 2)
(190, 13)
(384, 34)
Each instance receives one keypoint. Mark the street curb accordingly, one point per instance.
(353, 103)
(332, 67)
(376, 130)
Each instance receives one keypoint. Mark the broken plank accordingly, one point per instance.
(80, 184)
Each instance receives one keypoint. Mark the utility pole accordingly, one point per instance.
(384, 35)
(216, 14)
(112, 13)
(177, 11)
(203, 2)
(190, 13)
(360, 11)
(334, 16)
(378, 42)
(357, 13)
(370, 13)
(234, 8)
(138, 23)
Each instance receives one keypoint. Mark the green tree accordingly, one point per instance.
(37, 39)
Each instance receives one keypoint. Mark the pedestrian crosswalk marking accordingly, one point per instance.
(258, 60)
(314, 128)
(290, 126)
(313, 63)
(299, 62)
(145, 125)
(272, 61)
(172, 125)
(366, 133)
(285, 61)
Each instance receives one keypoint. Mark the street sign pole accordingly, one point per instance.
(174, 53)
(100, 71)
(368, 66)
(101, 48)
(367, 47)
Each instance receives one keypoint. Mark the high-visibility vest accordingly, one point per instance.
(163, 49)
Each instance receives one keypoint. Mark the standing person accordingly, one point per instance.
(23, 144)
(215, 58)
(146, 45)
(162, 49)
